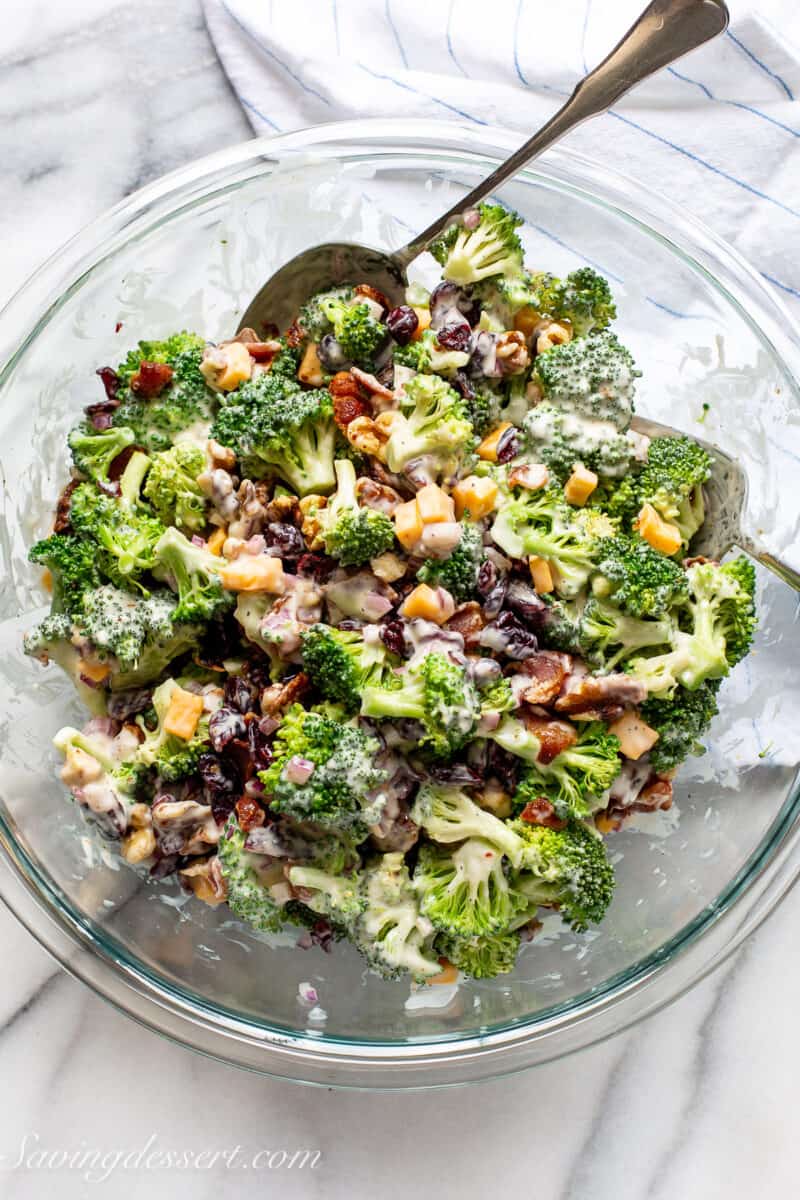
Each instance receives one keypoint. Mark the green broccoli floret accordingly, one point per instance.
(125, 538)
(464, 892)
(448, 815)
(185, 401)
(416, 355)
(498, 697)
(313, 316)
(680, 723)
(543, 525)
(435, 692)
(286, 362)
(391, 933)
(276, 427)
(492, 247)
(432, 427)
(341, 664)
(672, 481)
(717, 623)
(353, 534)
(564, 868)
(459, 572)
(637, 578)
(618, 499)
(324, 771)
(172, 487)
(481, 957)
(608, 637)
(483, 409)
(355, 328)
(141, 633)
(72, 563)
(173, 757)
(575, 780)
(249, 898)
(192, 572)
(93, 452)
(585, 300)
(337, 896)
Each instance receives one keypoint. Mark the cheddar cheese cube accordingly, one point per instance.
(475, 495)
(580, 485)
(541, 575)
(184, 712)
(430, 604)
(254, 573)
(487, 450)
(635, 736)
(408, 524)
(434, 505)
(662, 535)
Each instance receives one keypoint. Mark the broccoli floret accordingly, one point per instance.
(585, 300)
(416, 355)
(432, 428)
(672, 481)
(173, 757)
(618, 499)
(193, 572)
(492, 247)
(355, 328)
(554, 438)
(93, 452)
(141, 633)
(435, 692)
(249, 898)
(185, 401)
(542, 524)
(561, 628)
(132, 478)
(608, 637)
(680, 723)
(564, 868)
(172, 487)
(483, 407)
(353, 534)
(72, 563)
(481, 957)
(324, 771)
(459, 572)
(125, 539)
(448, 815)
(593, 376)
(637, 578)
(313, 317)
(391, 933)
(341, 664)
(116, 778)
(337, 896)
(276, 427)
(286, 362)
(464, 892)
(498, 697)
(575, 780)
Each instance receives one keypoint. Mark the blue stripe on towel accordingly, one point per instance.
(759, 63)
(271, 54)
(393, 27)
(434, 99)
(247, 104)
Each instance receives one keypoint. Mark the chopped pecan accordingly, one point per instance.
(657, 794)
(250, 813)
(61, 523)
(377, 495)
(531, 476)
(373, 385)
(206, 881)
(294, 336)
(311, 527)
(283, 510)
(367, 436)
(372, 293)
(512, 352)
(279, 696)
(554, 736)
(220, 456)
(541, 812)
(468, 621)
(547, 670)
(151, 379)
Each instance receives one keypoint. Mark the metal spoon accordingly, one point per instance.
(726, 502)
(665, 31)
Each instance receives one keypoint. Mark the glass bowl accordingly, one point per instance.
(188, 252)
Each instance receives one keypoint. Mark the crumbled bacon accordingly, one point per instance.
(61, 523)
(541, 812)
(603, 697)
(468, 621)
(554, 736)
(151, 379)
(250, 813)
(366, 289)
(547, 670)
(294, 336)
(280, 695)
(372, 384)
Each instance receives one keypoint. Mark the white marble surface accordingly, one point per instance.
(698, 1102)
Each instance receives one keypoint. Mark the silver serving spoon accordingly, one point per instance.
(666, 30)
(726, 501)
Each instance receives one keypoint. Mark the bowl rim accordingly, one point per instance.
(689, 956)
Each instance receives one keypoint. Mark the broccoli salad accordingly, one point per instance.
(386, 622)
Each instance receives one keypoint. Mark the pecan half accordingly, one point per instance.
(512, 352)
(376, 495)
(279, 696)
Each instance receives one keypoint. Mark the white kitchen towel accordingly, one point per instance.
(718, 133)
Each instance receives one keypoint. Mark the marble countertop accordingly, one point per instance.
(695, 1102)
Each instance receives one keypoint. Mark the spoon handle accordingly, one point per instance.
(666, 30)
(756, 550)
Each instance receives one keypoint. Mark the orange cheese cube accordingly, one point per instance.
(431, 604)
(434, 505)
(448, 973)
(310, 369)
(185, 710)
(254, 573)
(541, 575)
(424, 318)
(580, 485)
(662, 535)
(408, 524)
(487, 450)
(217, 541)
(476, 495)
(635, 736)
(238, 366)
(97, 672)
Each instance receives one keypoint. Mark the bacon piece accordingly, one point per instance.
(280, 695)
(372, 384)
(541, 812)
(250, 813)
(468, 621)
(372, 293)
(61, 523)
(547, 669)
(151, 379)
(599, 695)
(349, 401)
(657, 794)
(554, 736)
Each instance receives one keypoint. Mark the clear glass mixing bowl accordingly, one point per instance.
(189, 251)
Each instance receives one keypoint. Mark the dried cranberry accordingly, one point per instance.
(110, 381)
(221, 784)
(402, 323)
(100, 416)
(504, 766)
(241, 693)
(284, 541)
(448, 298)
(455, 336)
(455, 773)
(492, 587)
(508, 446)
(222, 639)
(507, 635)
(331, 354)
(223, 726)
(260, 749)
(541, 812)
(122, 705)
(164, 865)
(526, 603)
(463, 385)
(393, 637)
(318, 567)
